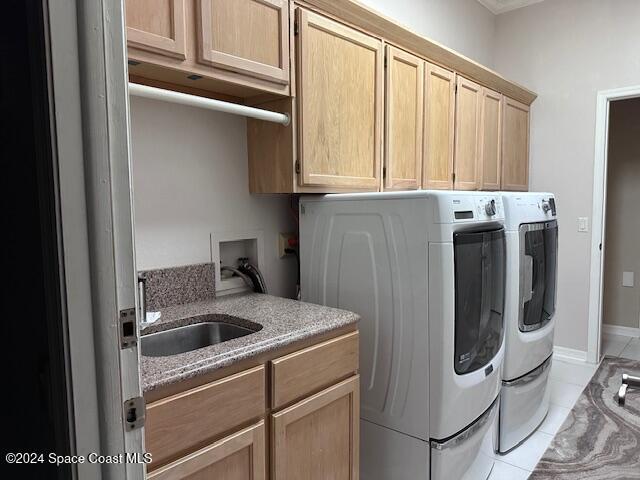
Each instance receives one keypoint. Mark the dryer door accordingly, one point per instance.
(538, 272)
(479, 258)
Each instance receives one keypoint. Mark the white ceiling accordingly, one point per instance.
(501, 6)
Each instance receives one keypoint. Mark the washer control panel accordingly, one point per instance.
(472, 207)
(490, 208)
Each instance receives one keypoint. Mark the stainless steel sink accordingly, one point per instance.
(191, 337)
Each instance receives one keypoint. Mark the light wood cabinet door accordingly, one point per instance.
(515, 145)
(491, 136)
(404, 120)
(245, 36)
(439, 124)
(181, 423)
(157, 26)
(340, 104)
(318, 438)
(467, 143)
(240, 456)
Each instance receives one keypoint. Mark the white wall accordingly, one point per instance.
(190, 179)
(463, 25)
(567, 50)
(622, 304)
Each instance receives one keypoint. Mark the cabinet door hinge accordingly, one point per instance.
(453, 177)
(384, 172)
(298, 167)
(385, 61)
(134, 413)
(296, 30)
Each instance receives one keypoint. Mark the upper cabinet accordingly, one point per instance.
(340, 104)
(490, 126)
(372, 106)
(158, 26)
(515, 145)
(260, 48)
(404, 120)
(467, 136)
(334, 141)
(234, 47)
(439, 125)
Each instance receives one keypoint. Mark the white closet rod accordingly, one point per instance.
(208, 103)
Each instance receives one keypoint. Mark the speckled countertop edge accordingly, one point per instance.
(284, 321)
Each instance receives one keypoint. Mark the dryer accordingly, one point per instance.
(532, 250)
(426, 272)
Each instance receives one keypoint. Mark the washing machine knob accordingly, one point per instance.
(545, 206)
(490, 208)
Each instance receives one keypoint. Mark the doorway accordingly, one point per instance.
(614, 313)
(621, 292)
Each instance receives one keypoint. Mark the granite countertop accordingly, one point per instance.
(283, 321)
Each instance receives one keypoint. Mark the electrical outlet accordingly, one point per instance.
(583, 224)
(627, 279)
(286, 240)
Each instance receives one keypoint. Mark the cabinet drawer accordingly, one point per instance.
(239, 456)
(181, 423)
(309, 370)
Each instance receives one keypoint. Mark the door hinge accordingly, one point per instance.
(384, 172)
(455, 88)
(128, 328)
(298, 167)
(296, 30)
(134, 413)
(385, 61)
(453, 177)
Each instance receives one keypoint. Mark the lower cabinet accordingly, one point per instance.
(299, 422)
(181, 423)
(318, 438)
(240, 456)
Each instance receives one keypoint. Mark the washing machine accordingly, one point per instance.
(531, 227)
(426, 272)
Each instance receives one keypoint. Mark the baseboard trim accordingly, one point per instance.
(569, 355)
(620, 330)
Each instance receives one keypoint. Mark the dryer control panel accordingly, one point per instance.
(528, 207)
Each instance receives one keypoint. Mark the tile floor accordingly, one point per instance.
(567, 380)
(621, 346)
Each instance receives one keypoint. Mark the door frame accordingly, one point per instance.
(91, 112)
(596, 282)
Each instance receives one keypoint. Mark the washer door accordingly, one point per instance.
(479, 258)
(538, 273)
